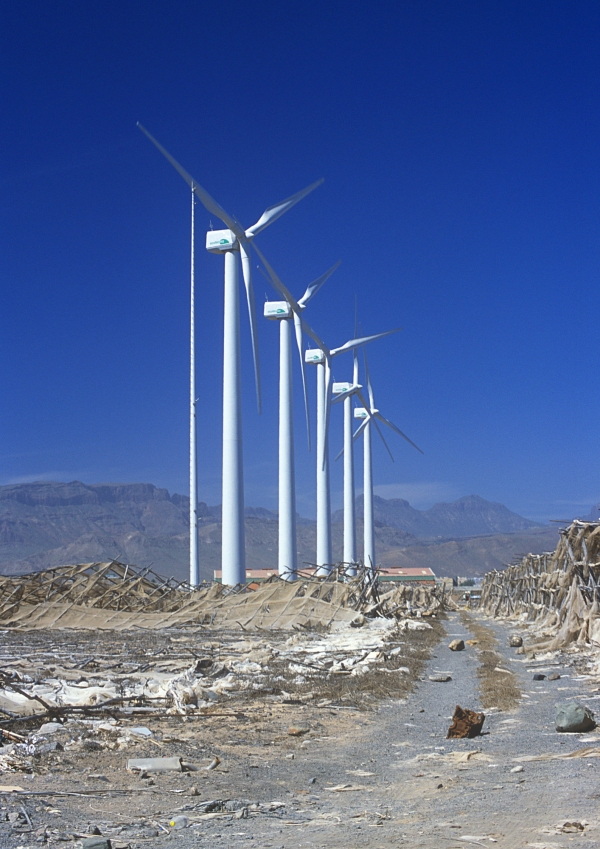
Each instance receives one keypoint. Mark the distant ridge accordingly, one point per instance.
(48, 524)
(467, 517)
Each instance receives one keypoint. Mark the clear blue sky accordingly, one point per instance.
(460, 148)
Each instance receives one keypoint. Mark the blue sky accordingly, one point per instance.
(459, 146)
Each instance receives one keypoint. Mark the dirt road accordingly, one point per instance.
(381, 778)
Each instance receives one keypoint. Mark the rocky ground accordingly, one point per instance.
(332, 769)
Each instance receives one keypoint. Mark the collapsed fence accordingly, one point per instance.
(558, 592)
(115, 596)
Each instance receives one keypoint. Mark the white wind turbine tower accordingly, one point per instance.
(344, 392)
(282, 311)
(230, 242)
(370, 414)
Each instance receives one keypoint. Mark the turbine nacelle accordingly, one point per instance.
(315, 356)
(277, 310)
(339, 388)
(361, 413)
(218, 241)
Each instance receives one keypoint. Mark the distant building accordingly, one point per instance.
(390, 573)
(410, 575)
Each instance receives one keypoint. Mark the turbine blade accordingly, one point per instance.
(361, 398)
(369, 384)
(300, 344)
(337, 457)
(374, 420)
(273, 212)
(360, 429)
(364, 340)
(314, 287)
(208, 202)
(396, 430)
(290, 299)
(327, 410)
(247, 272)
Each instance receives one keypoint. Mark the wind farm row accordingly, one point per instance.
(237, 242)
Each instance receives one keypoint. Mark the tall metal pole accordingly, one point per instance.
(349, 508)
(288, 566)
(194, 564)
(233, 563)
(369, 529)
(323, 493)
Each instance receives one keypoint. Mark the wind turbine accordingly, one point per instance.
(230, 242)
(370, 414)
(321, 357)
(282, 311)
(344, 392)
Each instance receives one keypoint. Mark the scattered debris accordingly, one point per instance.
(465, 723)
(574, 718)
(154, 765)
(571, 827)
(556, 593)
(80, 596)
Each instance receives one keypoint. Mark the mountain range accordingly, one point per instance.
(49, 524)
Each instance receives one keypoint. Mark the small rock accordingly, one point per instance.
(517, 769)
(439, 787)
(471, 642)
(515, 641)
(358, 621)
(574, 718)
(440, 679)
(573, 827)
(50, 728)
(96, 843)
(46, 748)
(539, 676)
(554, 677)
(296, 731)
(465, 723)
(521, 650)
(312, 780)
(457, 645)
(194, 791)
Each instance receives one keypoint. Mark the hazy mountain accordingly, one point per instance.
(51, 524)
(469, 516)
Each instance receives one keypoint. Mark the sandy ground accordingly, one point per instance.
(380, 777)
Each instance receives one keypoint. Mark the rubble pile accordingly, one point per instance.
(115, 596)
(556, 593)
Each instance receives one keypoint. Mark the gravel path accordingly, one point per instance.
(418, 793)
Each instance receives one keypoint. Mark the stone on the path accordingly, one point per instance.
(515, 641)
(440, 679)
(574, 718)
(296, 731)
(521, 650)
(456, 645)
(465, 723)
(554, 677)
(539, 676)
(517, 769)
